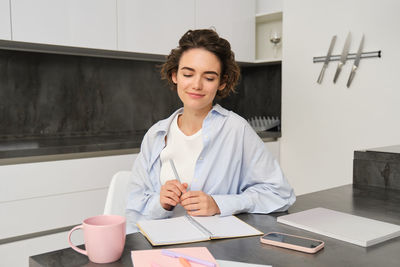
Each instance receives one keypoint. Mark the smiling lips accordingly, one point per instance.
(194, 95)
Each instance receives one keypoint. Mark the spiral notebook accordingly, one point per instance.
(188, 229)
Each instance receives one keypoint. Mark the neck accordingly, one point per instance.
(191, 121)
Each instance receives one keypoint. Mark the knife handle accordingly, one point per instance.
(352, 73)
(321, 75)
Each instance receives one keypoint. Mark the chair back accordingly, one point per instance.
(117, 195)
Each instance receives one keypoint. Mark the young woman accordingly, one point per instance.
(223, 165)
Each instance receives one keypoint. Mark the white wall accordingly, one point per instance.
(324, 124)
(268, 6)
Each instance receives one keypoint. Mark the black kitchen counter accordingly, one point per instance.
(67, 145)
(369, 202)
(91, 145)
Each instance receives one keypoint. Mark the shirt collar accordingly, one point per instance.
(217, 108)
(163, 125)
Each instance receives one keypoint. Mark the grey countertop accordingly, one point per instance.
(386, 149)
(383, 154)
(369, 202)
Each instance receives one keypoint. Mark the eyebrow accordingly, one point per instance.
(206, 72)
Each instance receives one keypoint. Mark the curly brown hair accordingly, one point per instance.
(207, 39)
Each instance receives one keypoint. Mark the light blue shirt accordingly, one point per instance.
(234, 167)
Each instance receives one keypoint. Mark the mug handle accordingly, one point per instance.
(84, 252)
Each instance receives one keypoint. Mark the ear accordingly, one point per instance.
(221, 86)
(174, 79)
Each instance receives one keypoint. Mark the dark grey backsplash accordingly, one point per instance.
(45, 95)
(258, 93)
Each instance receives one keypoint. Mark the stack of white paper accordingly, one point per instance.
(346, 227)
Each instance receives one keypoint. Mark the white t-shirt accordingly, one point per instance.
(183, 150)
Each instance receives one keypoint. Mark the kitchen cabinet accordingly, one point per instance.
(153, 26)
(55, 194)
(5, 24)
(80, 23)
(233, 20)
(17, 253)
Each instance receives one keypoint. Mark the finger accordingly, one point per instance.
(168, 201)
(166, 192)
(197, 213)
(189, 194)
(182, 187)
(178, 185)
(189, 200)
(191, 207)
(173, 196)
(173, 188)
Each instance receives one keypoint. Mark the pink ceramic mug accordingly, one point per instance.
(104, 237)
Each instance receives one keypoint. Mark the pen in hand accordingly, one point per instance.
(174, 170)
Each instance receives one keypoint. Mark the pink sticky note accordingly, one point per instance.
(148, 257)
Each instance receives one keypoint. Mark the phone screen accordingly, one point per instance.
(292, 240)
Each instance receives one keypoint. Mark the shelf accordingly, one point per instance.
(266, 25)
(267, 17)
(268, 60)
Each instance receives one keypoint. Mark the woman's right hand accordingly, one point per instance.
(170, 194)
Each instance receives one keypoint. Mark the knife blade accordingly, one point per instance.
(326, 62)
(343, 57)
(356, 62)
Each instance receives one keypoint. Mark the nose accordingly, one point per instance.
(196, 85)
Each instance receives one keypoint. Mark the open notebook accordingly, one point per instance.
(188, 229)
(346, 227)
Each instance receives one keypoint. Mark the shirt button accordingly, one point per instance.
(200, 158)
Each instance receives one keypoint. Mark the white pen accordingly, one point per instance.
(174, 169)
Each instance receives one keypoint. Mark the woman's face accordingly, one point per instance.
(198, 79)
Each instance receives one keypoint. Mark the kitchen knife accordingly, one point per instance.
(326, 62)
(343, 57)
(356, 62)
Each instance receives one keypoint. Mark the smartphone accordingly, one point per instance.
(299, 243)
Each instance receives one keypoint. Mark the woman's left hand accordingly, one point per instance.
(198, 203)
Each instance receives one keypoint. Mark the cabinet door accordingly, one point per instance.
(82, 23)
(234, 20)
(5, 25)
(153, 26)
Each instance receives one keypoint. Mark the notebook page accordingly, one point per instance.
(227, 226)
(169, 231)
